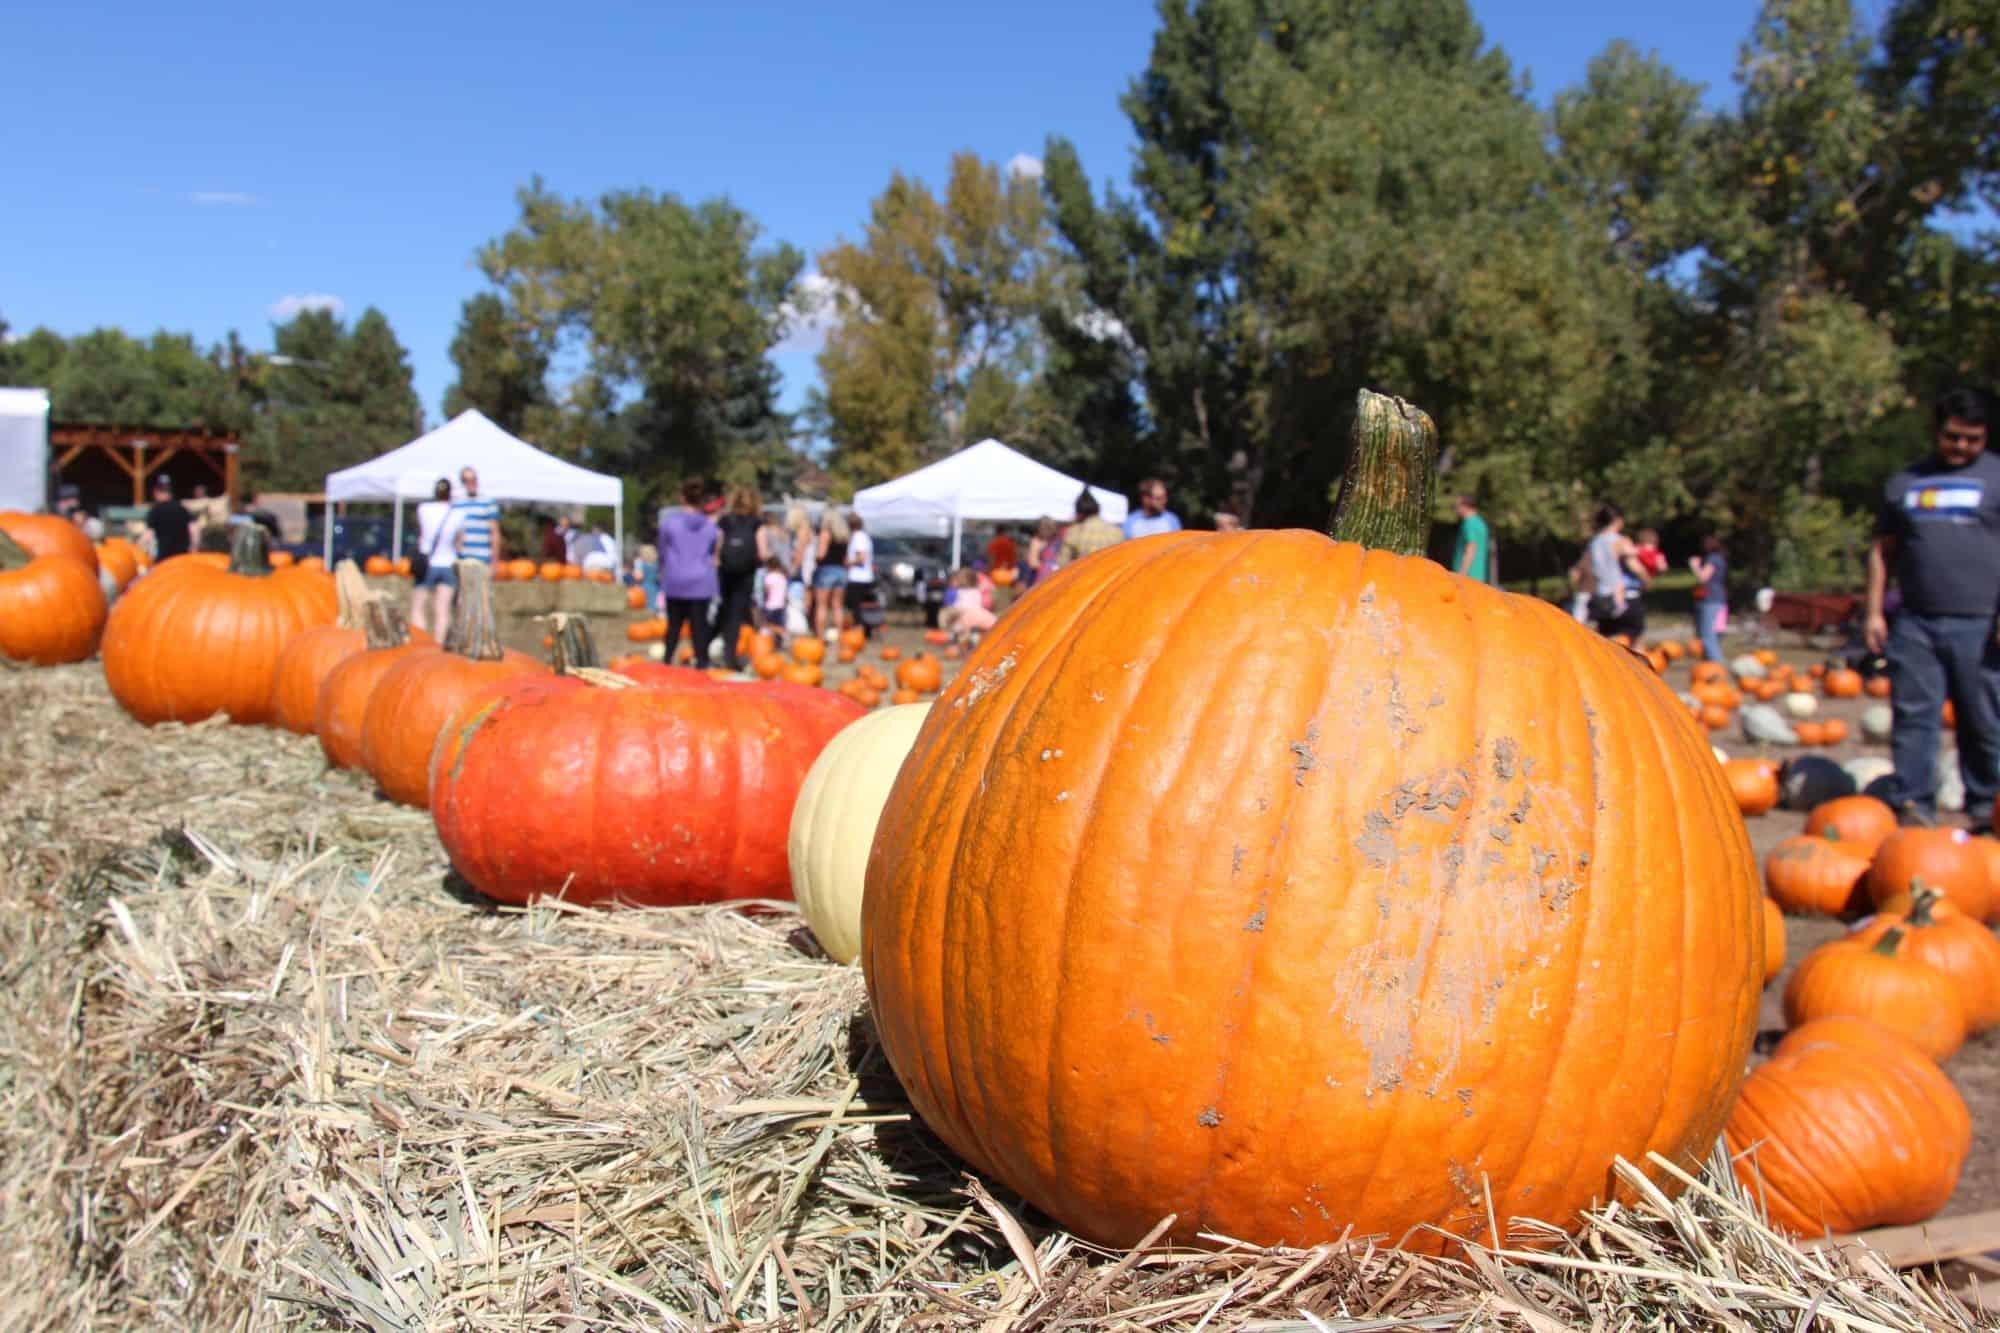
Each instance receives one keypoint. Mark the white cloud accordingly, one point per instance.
(224, 198)
(288, 307)
(813, 312)
(1025, 164)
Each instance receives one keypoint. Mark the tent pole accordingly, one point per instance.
(396, 532)
(957, 528)
(618, 534)
(326, 524)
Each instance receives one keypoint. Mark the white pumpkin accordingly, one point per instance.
(1877, 721)
(1767, 726)
(1867, 769)
(1747, 667)
(1800, 705)
(833, 823)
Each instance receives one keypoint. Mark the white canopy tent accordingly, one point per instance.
(508, 468)
(987, 482)
(24, 448)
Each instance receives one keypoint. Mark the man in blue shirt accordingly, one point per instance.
(477, 522)
(1152, 516)
(1938, 532)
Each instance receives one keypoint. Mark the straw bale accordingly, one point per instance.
(263, 1065)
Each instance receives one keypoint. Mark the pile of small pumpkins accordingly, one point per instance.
(1790, 696)
(1852, 1120)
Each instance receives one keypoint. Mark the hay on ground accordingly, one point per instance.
(259, 1068)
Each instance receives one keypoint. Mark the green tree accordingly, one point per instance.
(338, 397)
(673, 308)
(502, 367)
(940, 305)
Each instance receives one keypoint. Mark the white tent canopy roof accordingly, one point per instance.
(987, 482)
(508, 468)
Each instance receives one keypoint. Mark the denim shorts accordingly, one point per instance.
(830, 576)
(439, 575)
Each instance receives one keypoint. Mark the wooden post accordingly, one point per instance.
(230, 476)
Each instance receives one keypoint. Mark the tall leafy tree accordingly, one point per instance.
(502, 368)
(940, 304)
(338, 397)
(673, 308)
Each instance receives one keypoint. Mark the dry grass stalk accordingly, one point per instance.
(258, 1069)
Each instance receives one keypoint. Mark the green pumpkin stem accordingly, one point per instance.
(1923, 898)
(12, 554)
(474, 633)
(1892, 940)
(249, 550)
(1385, 493)
(572, 649)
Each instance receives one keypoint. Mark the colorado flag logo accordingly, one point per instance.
(1952, 496)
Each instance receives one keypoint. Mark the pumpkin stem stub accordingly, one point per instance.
(383, 622)
(1385, 492)
(12, 554)
(572, 648)
(473, 632)
(1891, 941)
(1923, 901)
(350, 592)
(249, 550)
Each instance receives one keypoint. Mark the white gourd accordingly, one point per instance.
(1747, 667)
(1877, 721)
(1867, 769)
(1800, 705)
(833, 823)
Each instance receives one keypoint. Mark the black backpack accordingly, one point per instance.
(739, 544)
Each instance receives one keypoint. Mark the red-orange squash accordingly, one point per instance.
(416, 696)
(1847, 1127)
(49, 534)
(1328, 926)
(51, 607)
(655, 794)
(1880, 981)
(1953, 943)
(190, 641)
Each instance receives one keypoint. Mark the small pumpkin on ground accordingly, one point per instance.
(922, 673)
(49, 534)
(1815, 875)
(1754, 783)
(807, 648)
(1963, 949)
(420, 693)
(312, 653)
(1842, 683)
(1848, 1127)
(1861, 824)
(341, 706)
(1880, 981)
(1945, 859)
(51, 607)
(833, 823)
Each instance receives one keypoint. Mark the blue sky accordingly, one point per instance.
(201, 168)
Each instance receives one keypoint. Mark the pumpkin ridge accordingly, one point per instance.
(1110, 576)
(1824, 1141)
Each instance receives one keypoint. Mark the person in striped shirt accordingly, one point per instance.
(477, 522)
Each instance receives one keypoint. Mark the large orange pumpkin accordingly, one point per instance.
(49, 534)
(1880, 981)
(1331, 925)
(341, 708)
(423, 691)
(1953, 943)
(1774, 940)
(51, 607)
(1945, 859)
(1847, 1127)
(190, 641)
(660, 795)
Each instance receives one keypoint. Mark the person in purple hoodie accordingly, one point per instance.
(688, 544)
